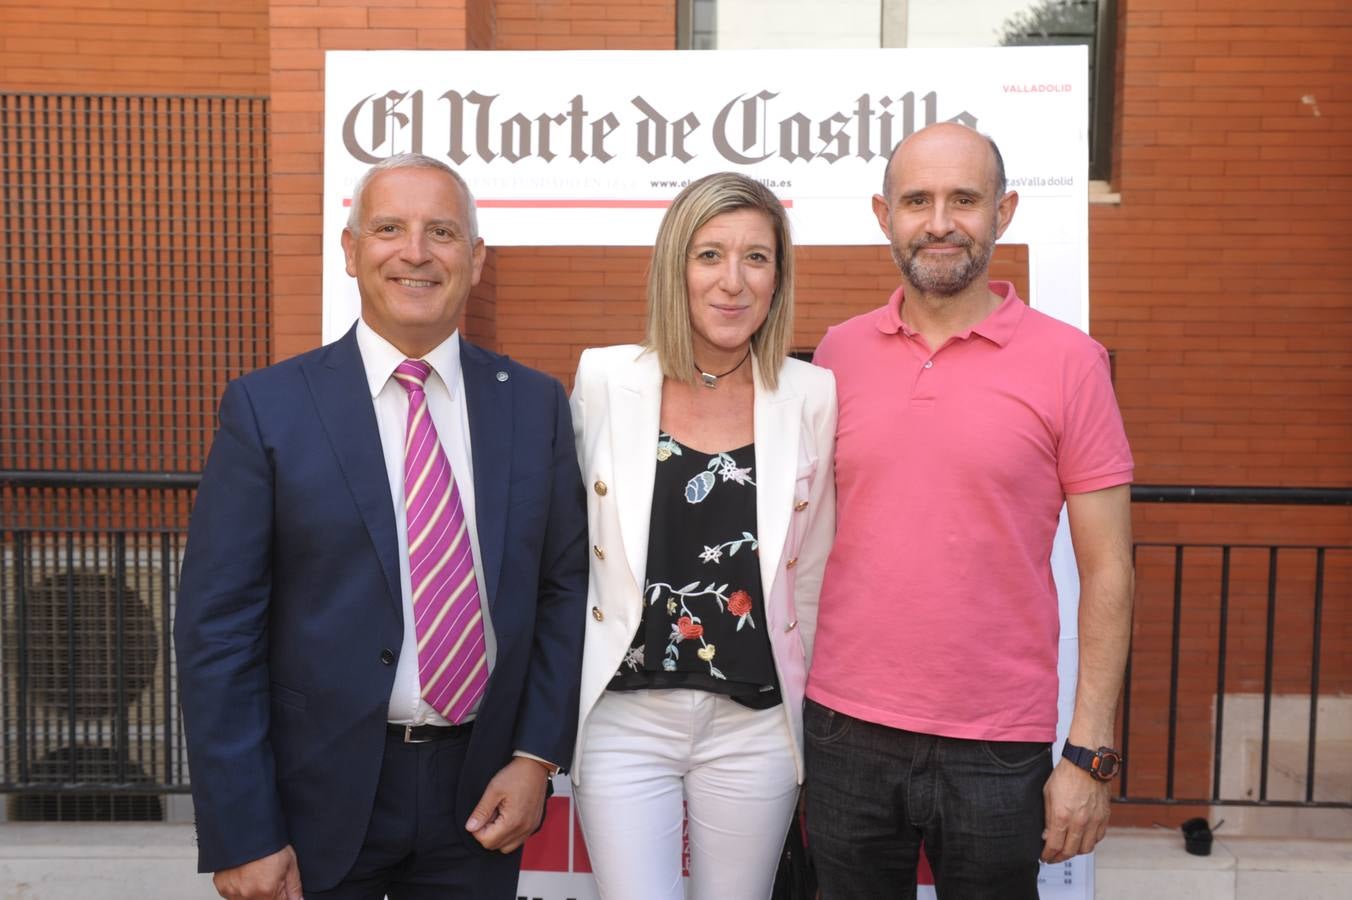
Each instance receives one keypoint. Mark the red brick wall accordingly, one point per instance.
(586, 25)
(505, 311)
(554, 302)
(1220, 280)
(209, 46)
(301, 31)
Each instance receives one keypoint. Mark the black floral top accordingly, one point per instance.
(703, 623)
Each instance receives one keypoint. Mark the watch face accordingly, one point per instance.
(1108, 764)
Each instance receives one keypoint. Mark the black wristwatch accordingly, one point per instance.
(1102, 764)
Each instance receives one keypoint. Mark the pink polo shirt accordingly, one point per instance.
(938, 611)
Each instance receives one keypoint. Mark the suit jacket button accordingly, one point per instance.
(791, 563)
(800, 506)
(600, 488)
(597, 614)
(387, 656)
(600, 554)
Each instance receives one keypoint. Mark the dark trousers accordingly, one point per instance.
(414, 847)
(875, 794)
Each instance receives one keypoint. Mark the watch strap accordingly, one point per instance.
(1090, 760)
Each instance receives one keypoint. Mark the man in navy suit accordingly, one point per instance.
(316, 756)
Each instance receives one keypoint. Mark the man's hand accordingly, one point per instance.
(1077, 812)
(512, 806)
(274, 877)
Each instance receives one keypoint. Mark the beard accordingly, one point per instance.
(944, 277)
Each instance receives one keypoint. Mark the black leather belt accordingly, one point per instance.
(421, 734)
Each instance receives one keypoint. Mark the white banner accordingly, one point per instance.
(588, 148)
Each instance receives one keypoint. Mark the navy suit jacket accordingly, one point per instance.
(289, 618)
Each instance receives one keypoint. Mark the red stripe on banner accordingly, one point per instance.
(547, 849)
(581, 861)
(573, 204)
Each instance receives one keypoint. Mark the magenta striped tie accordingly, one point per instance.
(448, 617)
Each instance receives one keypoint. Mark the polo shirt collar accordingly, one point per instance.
(998, 327)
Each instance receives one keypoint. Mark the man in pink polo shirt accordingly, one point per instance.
(966, 421)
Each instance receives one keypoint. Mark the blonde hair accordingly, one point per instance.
(669, 330)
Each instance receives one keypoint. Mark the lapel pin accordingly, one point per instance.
(502, 376)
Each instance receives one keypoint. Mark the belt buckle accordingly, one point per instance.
(408, 736)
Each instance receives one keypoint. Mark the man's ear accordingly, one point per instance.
(349, 249)
(478, 254)
(1004, 211)
(883, 214)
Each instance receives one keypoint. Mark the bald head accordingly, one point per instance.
(951, 135)
(943, 207)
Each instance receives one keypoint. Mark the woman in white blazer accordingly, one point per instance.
(708, 457)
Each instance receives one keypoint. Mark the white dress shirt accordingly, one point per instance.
(445, 392)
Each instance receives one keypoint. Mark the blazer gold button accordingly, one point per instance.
(600, 488)
(600, 554)
(597, 614)
(791, 563)
(800, 506)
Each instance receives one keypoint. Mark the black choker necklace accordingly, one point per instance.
(711, 381)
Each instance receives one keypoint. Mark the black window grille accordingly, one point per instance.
(134, 248)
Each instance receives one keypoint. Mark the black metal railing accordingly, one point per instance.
(89, 723)
(135, 263)
(89, 719)
(1226, 635)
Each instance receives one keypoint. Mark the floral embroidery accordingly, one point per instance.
(685, 620)
(739, 604)
(715, 554)
(730, 472)
(667, 448)
(702, 484)
(655, 590)
(687, 628)
(697, 488)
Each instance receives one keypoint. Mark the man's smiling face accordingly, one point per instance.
(413, 256)
(944, 209)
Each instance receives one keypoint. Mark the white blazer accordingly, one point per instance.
(616, 402)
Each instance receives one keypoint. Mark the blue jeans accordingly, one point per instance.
(874, 794)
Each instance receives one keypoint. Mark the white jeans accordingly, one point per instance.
(646, 753)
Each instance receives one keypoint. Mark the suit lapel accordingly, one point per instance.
(342, 397)
(635, 398)
(489, 402)
(776, 417)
